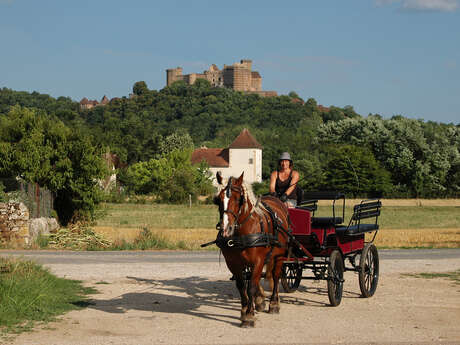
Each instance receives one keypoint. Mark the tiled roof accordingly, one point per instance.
(104, 100)
(245, 141)
(85, 101)
(323, 108)
(255, 74)
(214, 157)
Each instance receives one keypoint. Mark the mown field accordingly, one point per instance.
(403, 223)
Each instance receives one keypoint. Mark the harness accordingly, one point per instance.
(259, 239)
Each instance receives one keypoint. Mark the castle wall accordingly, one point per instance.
(238, 77)
(256, 84)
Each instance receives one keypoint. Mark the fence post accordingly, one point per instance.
(37, 199)
(190, 200)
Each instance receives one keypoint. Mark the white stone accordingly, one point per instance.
(42, 226)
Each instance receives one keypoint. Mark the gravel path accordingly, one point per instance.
(167, 300)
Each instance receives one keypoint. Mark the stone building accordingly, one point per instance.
(88, 104)
(243, 155)
(239, 77)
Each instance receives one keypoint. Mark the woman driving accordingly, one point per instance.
(283, 181)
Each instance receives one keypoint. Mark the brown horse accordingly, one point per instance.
(252, 233)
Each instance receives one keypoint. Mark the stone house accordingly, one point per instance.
(243, 155)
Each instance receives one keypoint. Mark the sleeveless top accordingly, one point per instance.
(282, 186)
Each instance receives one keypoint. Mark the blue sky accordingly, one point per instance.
(381, 56)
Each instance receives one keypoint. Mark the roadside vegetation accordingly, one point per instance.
(158, 226)
(454, 276)
(31, 295)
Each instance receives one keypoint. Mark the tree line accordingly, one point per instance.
(332, 148)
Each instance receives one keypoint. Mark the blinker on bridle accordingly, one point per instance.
(228, 192)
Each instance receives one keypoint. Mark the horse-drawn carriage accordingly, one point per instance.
(324, 245)
(290, 241)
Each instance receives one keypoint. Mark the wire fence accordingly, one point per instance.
(38, 200)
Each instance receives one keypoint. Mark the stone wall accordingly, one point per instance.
(14, 224)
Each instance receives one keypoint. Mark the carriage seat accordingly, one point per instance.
(366, 209)
(318, 222)
(356, 229)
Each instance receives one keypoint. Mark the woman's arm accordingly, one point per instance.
(273, 177)
(294, 180)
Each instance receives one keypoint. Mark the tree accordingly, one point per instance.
(41, 149)
(354, 170)
(140, 88)
(170, 178)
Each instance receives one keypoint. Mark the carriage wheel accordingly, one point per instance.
(368, 270)
(291, 277)
(335, 278)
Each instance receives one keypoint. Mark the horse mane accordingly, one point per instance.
(249, 195)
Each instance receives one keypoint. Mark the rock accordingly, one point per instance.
(42, 226)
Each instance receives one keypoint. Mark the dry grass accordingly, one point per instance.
(418, 238)
(404, 223)
(386, 238)
(193, 237)
(405, 202)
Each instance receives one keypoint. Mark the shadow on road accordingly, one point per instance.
(199, 297)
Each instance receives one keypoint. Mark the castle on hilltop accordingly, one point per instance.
(238, 77)
(88, 104)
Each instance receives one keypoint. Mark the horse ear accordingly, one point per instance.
(240, 179)
(219, 177)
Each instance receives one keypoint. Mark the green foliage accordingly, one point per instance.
(170, 178)
(140, 88)
(41, 149)
(261, 188)
(3, 195)
(355, 171)
(175, 141)
(422, 158)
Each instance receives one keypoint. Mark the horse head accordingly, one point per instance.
(231, 201)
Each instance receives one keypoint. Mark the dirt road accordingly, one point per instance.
(192, 301)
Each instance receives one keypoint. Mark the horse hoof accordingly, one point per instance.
(260, 307)
(248, 324)
(274, 309)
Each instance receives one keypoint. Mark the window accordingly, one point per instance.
(250, 161)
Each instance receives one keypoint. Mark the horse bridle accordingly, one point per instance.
(236, 225)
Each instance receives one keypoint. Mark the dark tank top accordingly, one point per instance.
(282, 186)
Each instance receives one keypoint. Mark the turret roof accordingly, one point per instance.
(245, 141)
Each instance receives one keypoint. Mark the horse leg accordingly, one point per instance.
(242, 288)
(254, 289)
(274, 307)
(260, 299)
(269, 274)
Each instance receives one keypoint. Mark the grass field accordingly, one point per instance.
(30, 294)
(403, 223)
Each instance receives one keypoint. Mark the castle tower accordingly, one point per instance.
(173, 74)
(246, 64)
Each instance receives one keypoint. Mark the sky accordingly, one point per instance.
(387, 57)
